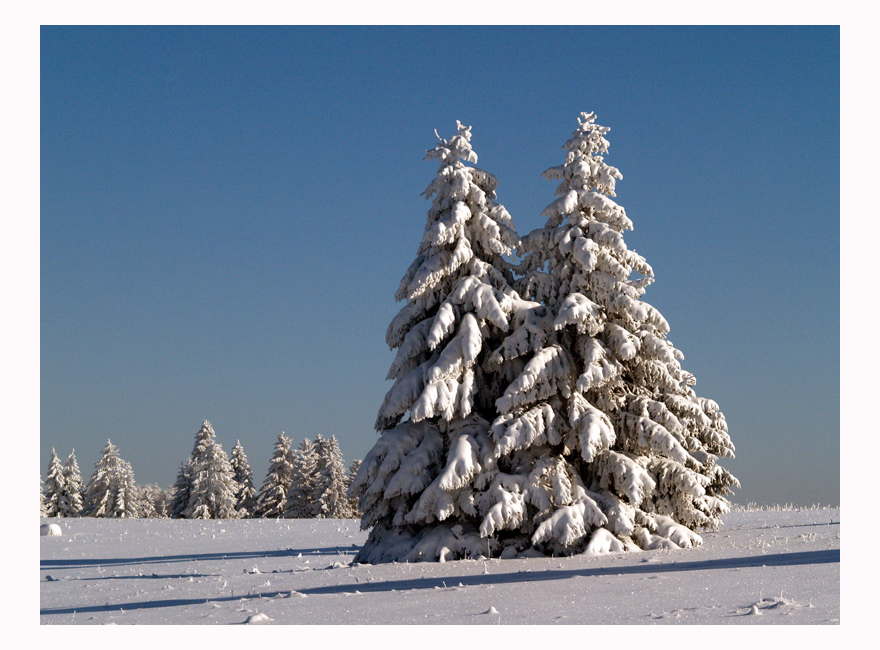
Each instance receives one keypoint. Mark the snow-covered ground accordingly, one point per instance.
(762, 567)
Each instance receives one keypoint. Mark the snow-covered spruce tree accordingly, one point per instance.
(180, 490)
(272, 498)
(204, 438)
(111, 490)
(601, 443)
(144, 503)
(213, 489)
(422, 487)
(161, 498)
(246, 494)
(74, 485)
(330, 488)
(152, 501)
(354, 512)
(56, 487)
(43, 511)
(301, 501)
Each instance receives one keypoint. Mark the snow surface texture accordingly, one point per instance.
(761, 567)
(546, 411)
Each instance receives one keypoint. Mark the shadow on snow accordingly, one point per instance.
(194, 557)
(776, 559)
(140, 576)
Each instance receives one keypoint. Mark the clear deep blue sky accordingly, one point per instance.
(226, 214)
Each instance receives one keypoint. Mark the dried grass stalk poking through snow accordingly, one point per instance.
(546, 413)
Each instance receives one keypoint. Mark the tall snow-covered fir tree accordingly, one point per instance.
(111, 489)
(181, 491)
(213, 489)
(421, 488)
(330, 487)
(56, 488)
(601, 442)
(75, 488)
(586, 434)
(301, 497)
(246, 494)
(272, 498)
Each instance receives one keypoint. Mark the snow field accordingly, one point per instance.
(762, 567)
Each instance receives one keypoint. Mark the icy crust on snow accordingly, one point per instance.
(538, 408)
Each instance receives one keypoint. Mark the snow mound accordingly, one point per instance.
(770, 603)
(337, 565)
(257, 619)
(604, 542)
(50, 530)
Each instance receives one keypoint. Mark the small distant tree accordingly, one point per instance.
(330, 493)
(213, 492)
(152, 501)
(272, 498)
(353, 504)
(180, 491)
(161, 498)
(56, 487)
(145, 507)
(74, 484)
(246, 494)
(111, 490)
(301, 503)
(43, 509)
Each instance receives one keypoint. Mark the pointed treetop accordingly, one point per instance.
(204, 437)
(455, 149)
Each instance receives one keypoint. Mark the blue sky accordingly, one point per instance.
(226, 214)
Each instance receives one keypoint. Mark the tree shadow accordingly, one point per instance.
(780, 527)
(153, 604)
(195, 557)
(142, 576)
(776, 559)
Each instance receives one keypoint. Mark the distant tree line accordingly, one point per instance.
(309, 481)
